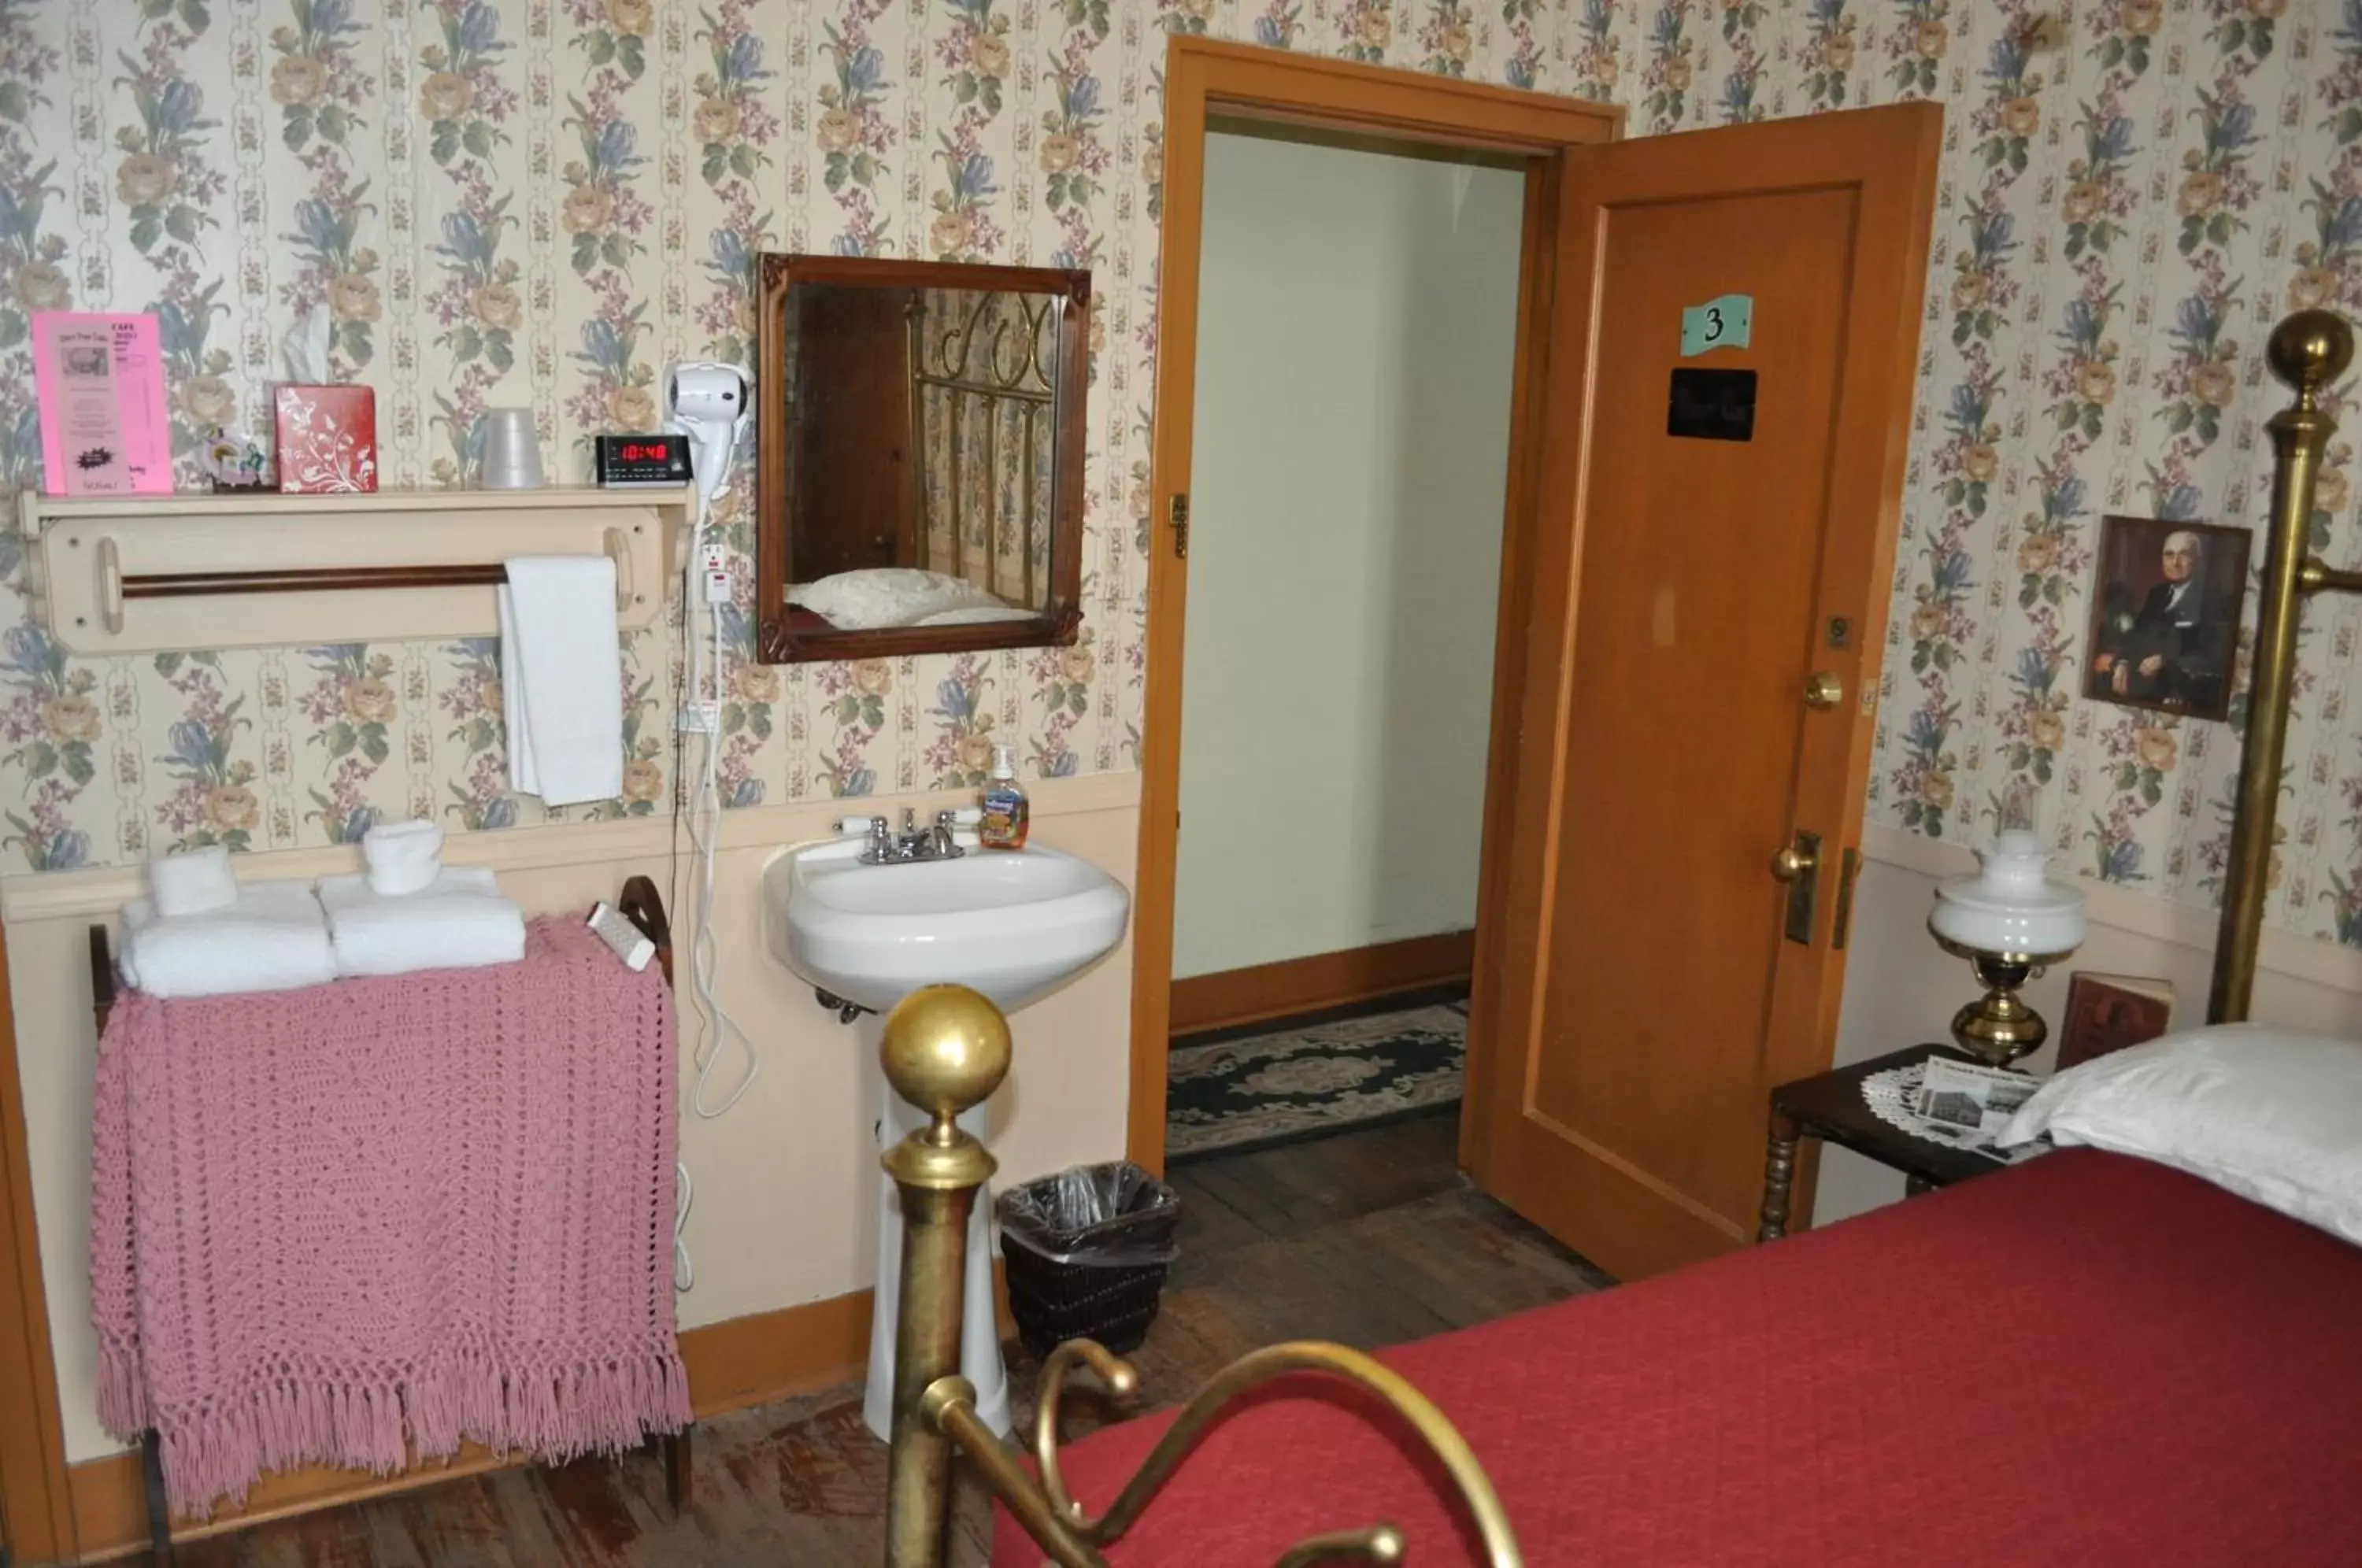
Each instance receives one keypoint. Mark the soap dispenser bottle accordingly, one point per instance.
(1007, 812)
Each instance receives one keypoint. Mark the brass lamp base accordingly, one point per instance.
(1999, 1027)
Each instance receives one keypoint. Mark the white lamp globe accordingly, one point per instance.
(2011, 905)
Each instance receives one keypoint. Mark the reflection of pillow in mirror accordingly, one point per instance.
(975, 614)
(888, 596)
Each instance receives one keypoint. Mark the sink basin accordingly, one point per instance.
(1015, 924)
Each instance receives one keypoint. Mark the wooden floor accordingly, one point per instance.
(1367, 1238)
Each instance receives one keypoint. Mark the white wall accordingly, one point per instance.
(1902, 989)
(787, 1182)
(1356, 321)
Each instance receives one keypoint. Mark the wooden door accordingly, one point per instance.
(855, 479)
(1646, 989)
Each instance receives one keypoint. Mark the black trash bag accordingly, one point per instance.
(1087, 1251)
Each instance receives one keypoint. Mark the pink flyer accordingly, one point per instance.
(105, 429)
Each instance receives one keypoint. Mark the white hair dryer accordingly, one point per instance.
(713, 404)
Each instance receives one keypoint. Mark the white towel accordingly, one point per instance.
(561, 678)
(403, 857)
(461, 922)
(192, 882)
(274, 938)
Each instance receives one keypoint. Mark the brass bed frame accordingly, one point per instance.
(946, 1048)
(983, 368)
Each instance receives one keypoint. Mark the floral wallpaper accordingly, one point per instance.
(543, 202)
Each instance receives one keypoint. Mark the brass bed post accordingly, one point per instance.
(2308, 351)
(946, 1049)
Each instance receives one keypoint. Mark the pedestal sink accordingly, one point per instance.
(1015, 924)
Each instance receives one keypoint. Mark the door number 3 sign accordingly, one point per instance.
(1728, 322)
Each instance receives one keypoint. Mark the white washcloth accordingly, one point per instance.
(274, 938)
(461, 922)
(192, 882)
(403, 857)
(561, 678)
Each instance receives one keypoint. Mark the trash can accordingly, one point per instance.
(1086, 1252)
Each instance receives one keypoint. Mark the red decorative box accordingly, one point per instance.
(327, 439)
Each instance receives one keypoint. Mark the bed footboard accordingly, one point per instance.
(946, 1049)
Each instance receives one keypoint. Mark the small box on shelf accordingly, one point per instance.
(327, 439)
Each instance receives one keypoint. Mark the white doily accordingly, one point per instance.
(1889, 1096)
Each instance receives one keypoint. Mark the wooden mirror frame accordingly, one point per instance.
(778, 640)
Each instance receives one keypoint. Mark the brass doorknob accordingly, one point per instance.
(1791, 863)
(1823, 689)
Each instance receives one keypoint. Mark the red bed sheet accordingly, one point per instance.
(2086, 1360)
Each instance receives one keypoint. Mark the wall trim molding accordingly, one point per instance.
(745, 1361)
(741, 1362)
(1320, 980)
(103, 889)
(2143, 914)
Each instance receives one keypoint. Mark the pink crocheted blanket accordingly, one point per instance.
(345, 1224)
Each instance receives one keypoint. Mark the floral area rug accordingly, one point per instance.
(1306, 1080)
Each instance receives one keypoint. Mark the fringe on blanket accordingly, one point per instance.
(555, 1411)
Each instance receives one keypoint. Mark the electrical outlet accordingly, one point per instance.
(700, 718)
(714, 558)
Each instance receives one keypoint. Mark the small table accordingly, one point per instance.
(1829, 1107)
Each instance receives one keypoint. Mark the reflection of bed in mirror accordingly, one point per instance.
(920, 464)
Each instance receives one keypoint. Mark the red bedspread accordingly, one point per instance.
(2090, 1360)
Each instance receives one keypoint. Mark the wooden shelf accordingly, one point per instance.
(82, 550)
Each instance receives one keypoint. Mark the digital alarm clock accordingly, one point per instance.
(624, 462)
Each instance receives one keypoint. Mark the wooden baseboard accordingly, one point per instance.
(771, 1355)
(746, 1361)
(1325, 979)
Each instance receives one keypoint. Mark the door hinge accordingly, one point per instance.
(1178, 510)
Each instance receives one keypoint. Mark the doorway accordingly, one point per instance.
(1356, 349)
(1216, 89)
(1699, 523)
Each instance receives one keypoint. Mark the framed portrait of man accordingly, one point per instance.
(2165, 617)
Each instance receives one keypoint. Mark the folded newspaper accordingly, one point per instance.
(1968, 1106)
(1959, 1104)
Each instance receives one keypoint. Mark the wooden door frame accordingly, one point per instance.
(36, 1507)
(1203, 77)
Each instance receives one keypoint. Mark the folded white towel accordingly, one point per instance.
(403, 857)
(459, 922)
(192, 882)
(274, 938)
(561, 678)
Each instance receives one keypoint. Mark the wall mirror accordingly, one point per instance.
(920, 488)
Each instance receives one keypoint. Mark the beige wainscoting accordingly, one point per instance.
(1902, 989)
(786, 1184)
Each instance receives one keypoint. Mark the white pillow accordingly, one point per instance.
(2268, 1113)
(977, 614)
(887, 596)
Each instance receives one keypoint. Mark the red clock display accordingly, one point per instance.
(643, 459)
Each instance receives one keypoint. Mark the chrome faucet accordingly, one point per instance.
(887, 847)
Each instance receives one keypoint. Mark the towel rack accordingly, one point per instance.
(114, 588)
(644, 905)
(270, 570)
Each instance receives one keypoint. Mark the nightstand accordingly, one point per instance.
(1829, 1107)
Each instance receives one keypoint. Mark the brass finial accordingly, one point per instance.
(946, 1049)
(2310, 349)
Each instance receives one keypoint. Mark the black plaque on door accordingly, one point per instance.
(1712, 405)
